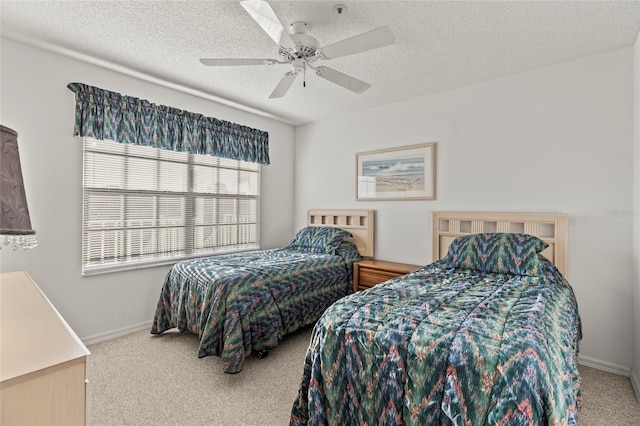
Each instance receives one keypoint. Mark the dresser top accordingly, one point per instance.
(33, 335)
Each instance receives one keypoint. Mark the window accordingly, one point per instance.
(145, 206)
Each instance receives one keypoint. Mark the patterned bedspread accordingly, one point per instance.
(241, 302)
(446, 347)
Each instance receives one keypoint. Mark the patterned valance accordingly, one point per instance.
(102, 114)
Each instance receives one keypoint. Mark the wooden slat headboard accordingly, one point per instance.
(549, 227)
(359, 222)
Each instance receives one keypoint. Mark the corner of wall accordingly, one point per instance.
(635, 369)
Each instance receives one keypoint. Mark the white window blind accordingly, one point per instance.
(145, 206)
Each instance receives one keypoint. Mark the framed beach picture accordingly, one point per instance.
(404, 173)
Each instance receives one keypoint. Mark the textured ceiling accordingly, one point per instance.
(439, 45)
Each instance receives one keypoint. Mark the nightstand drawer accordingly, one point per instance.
(371, 277)
(368, 273)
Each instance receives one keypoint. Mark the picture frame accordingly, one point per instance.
(403, 173)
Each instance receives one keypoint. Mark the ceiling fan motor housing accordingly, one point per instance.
(299, 27)
(306, 46)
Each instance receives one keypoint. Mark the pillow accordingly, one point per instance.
(349, 252)
(503, 253)
(319, 239)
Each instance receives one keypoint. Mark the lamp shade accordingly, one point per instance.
(15, 223)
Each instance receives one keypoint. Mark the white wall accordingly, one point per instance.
(37, 104)
(556, 139)
(635, 371)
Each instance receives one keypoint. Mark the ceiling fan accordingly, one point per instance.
(301, 51)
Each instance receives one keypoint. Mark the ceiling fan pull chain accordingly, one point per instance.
(304, 74)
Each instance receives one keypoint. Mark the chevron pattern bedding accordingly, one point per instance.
(243, 302)
(446, 346)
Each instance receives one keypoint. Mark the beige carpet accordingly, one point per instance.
(140, 379)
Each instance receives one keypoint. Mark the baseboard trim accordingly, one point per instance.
(604, 366)
(635, 382)
(101, 337)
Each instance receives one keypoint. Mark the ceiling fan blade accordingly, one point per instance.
(264, 15)
(342, 79)
(283, 87)
(235, 62)
(373, 39)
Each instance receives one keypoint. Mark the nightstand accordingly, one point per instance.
(370, 272)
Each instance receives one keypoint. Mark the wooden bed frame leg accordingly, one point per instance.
(262, 353)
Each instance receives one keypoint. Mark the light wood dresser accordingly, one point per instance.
(42, 361)
(370, 272)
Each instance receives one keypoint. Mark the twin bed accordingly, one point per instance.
(486, 334)
(247, 302)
